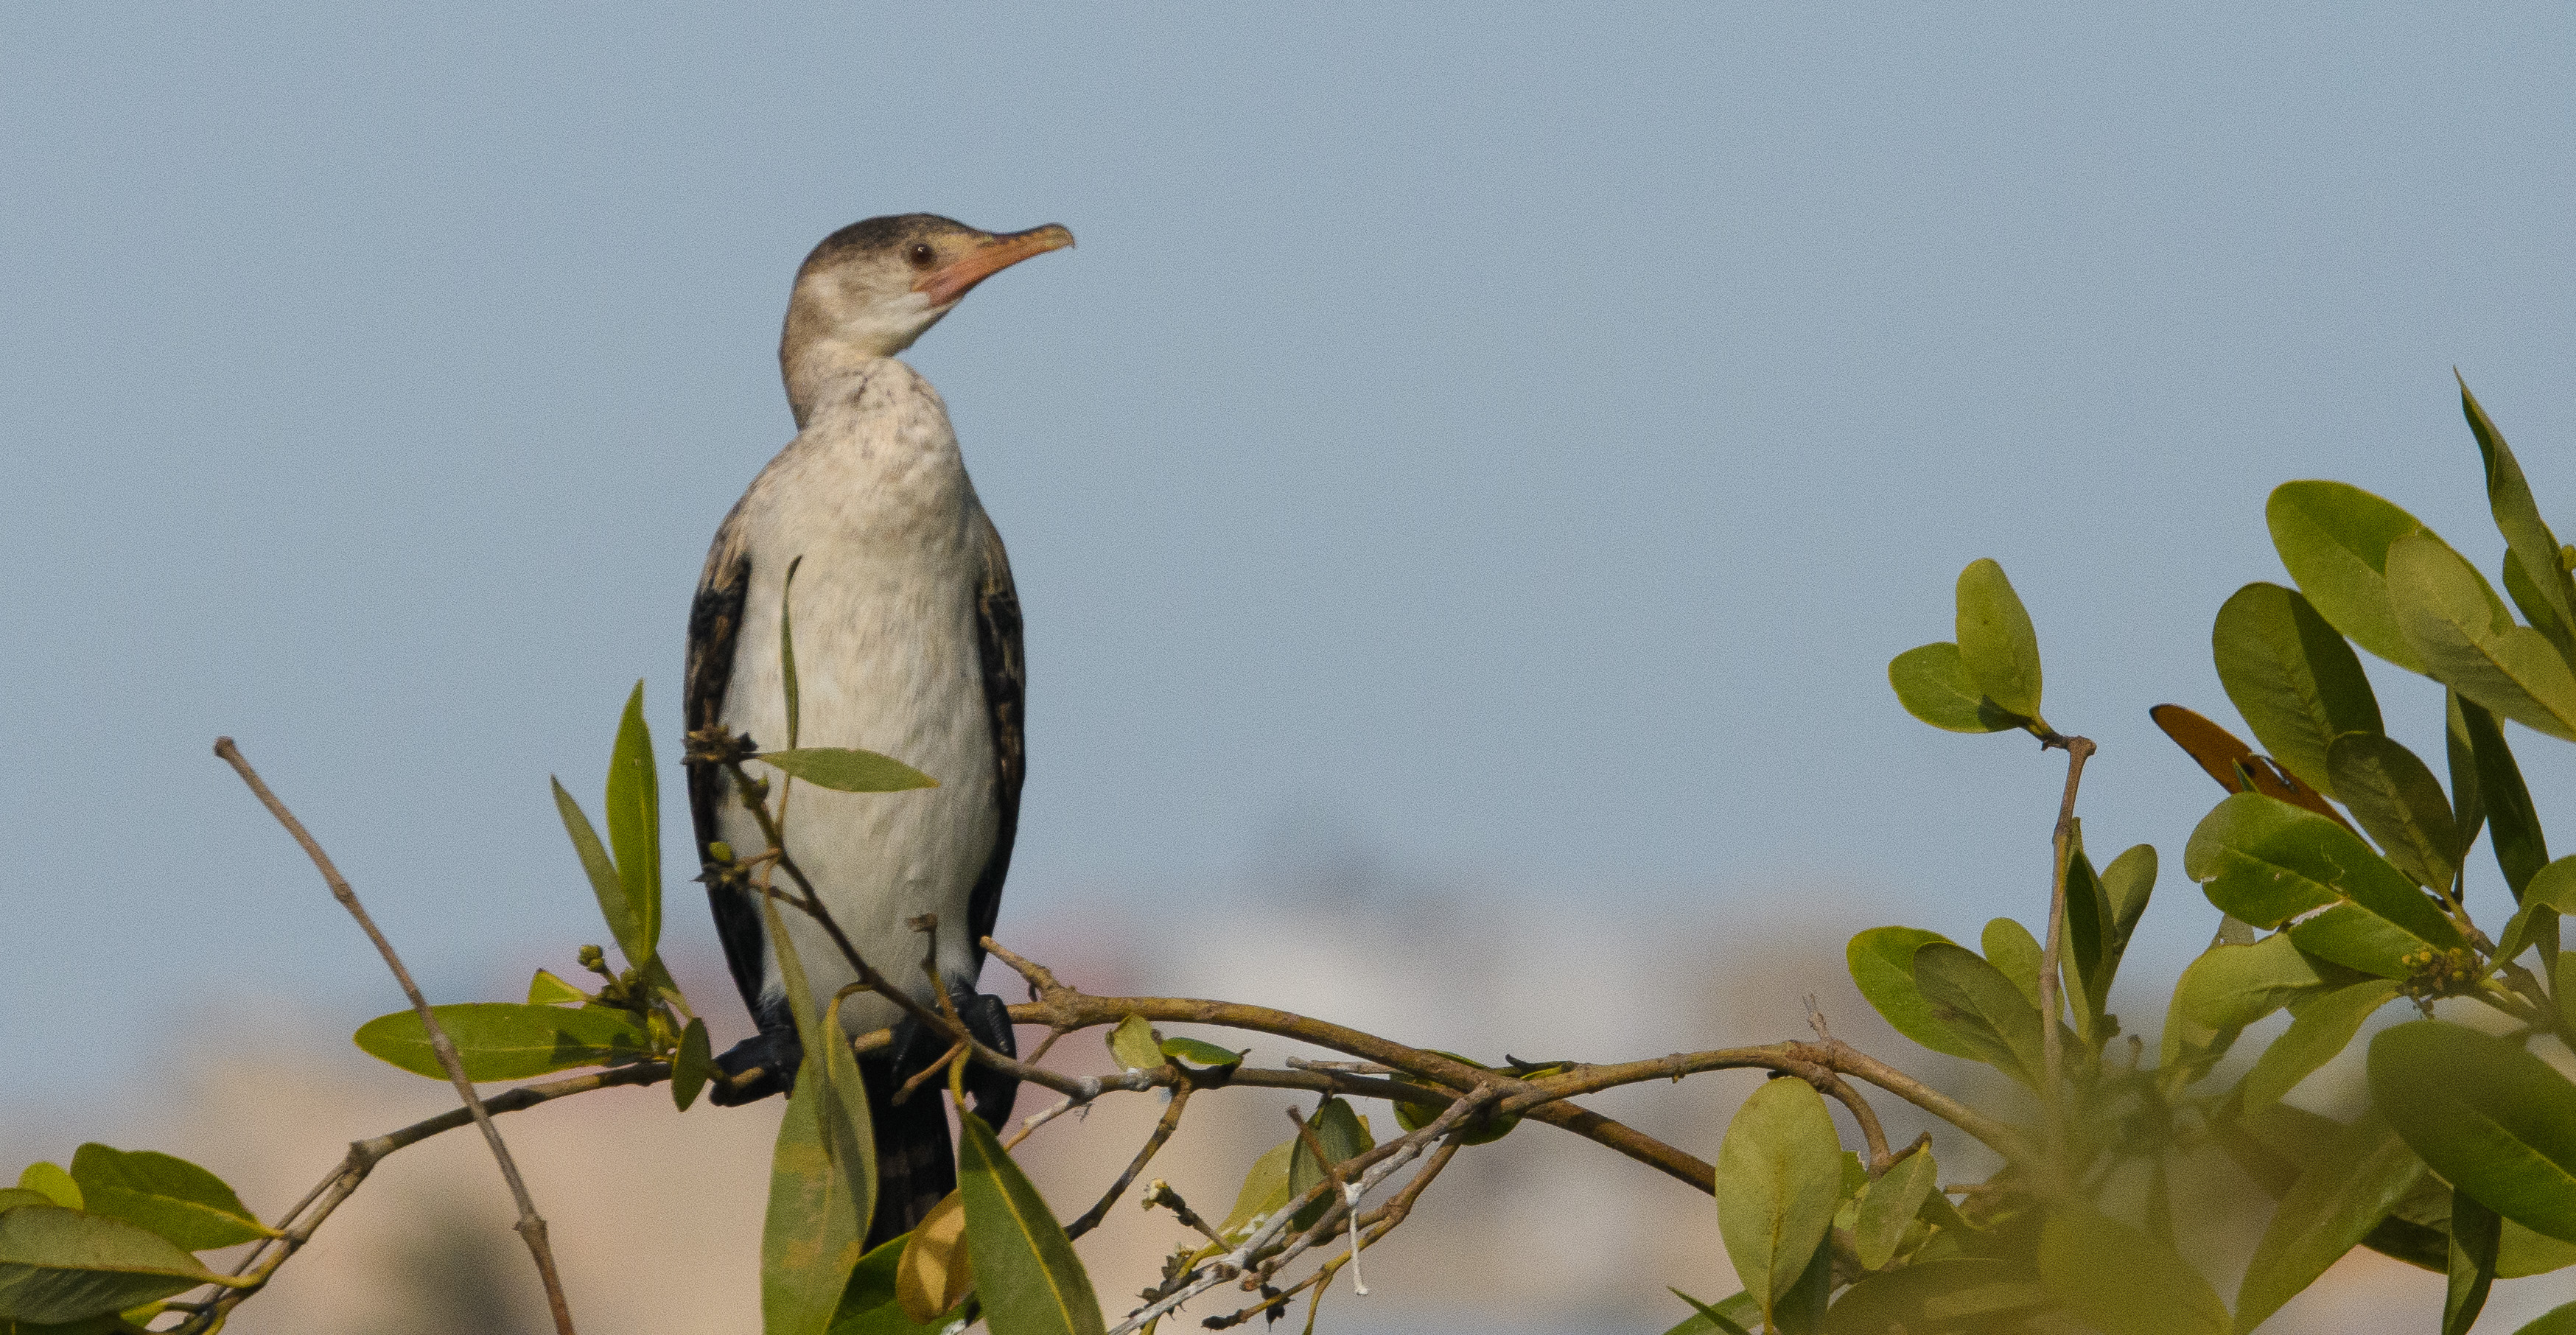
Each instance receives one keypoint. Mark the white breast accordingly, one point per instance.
(873, 496)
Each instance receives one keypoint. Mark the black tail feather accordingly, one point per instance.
(916, 1167)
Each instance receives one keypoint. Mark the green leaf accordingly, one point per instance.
(605, 884)
(935, 1274)
(501, 1040)
(2520, 1252)
(868, 1303)
(2534, 550)
(548, 990)
(2400, 804)
(2492, 1119)
(845, 769)
(2230, 987)
(50, 1181)
(1933, 685)
(1135, 1046)
(1711, 1319)
(2553, 886)
(1483, 1129)
(166, 1194)
(2513, 825)
(2089, 950)
(1264, 1190)
(2559, 1320)
(2263, 860)
(2333, 539)
(1026, 1274)
(2534, 604)
(2321, 1028)
(1779, 1177)
(2476, 1232)
(1200, 1054)
(2472, 647)
(691, 1065)
(61, 1265)
(2468, 806)
(13, 1197)
(1343, 1133)
(2293, 678)
(634, 809)
(2012, 949)
(823, 1172)
(1956, 1295)
(2522, 929)
(1987, 1010)
(1882, 966)
(2348, 936)
(1996, 642)
(1739, 1315)
(2120, 1281)
(1891, 1202)
(2338, 1199)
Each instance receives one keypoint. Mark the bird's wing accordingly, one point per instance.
(715, 623)
(997, 636)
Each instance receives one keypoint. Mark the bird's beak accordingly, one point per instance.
(990, 256)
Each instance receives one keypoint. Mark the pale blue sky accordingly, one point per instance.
(1510, 449)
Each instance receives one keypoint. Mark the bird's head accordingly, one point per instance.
(872, 287)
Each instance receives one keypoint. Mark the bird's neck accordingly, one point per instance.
(813, 366)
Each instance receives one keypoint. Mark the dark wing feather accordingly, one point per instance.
(997, 635)
(715, 623)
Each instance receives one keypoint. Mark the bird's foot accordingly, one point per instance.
(769, 1058)
(989, 1020)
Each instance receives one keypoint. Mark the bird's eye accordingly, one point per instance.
(920, 255)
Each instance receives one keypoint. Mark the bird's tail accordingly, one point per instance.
(916, 1167)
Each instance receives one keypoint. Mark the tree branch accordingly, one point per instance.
(2052, 1058)
(531, 1225)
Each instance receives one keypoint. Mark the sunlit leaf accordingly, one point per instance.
(1739, 1315)
(845, 769)
(1026, 1275)
(13, 1197)
(2344, 1192)
(935, 1273)
(2321, 1028)
(2230, 987)
(2265, 861)
(1882, 966)
(633, 807)
(2492, 1119)
(1134, 1045)
(1779, 1177)
(548, 990)
(1934, 686)
(1987, 1010)
(1201, 1054)
(164, 1193)
(2292, 677)
(62, 1265)
(605, 884)
(1264, 1190)
(2011, 948)
(52, 1182)
(2333, 539)
(1996, 642)
(1343, 1133)
(502, 1040)
(2120, 1281)
(2397, 799)
(823, 1171)
(2520, 1252)
(1958, 1295)
(691, 1065)
(1891, 1202)
(2475, 649)
(2534, 550)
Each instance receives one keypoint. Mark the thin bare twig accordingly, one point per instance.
(531, 1225)
(2052, 1058)
(1163, 1129)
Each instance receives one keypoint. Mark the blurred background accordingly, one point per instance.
(1464, 490)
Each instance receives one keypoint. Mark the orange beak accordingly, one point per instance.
(954, 279)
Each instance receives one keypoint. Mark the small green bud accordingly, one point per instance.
(720, 851)
(592, 957)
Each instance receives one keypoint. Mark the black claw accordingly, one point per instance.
(776, 1052)
(990, 1022)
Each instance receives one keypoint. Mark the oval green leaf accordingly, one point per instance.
(2400, 804)
(1956, 1295)
(1026, 1274)
(2559, 1320)
(2338, 1199)
(2120, 1281)
(1343, 1133)
(2293, 678)
(545, 989)
(691, 1065)
(2230, 987)
(1264, 1190)
(2011, 948)
(502, 1040)
(1987, 1010)
(2347, 936)
(1997, 645)
(1933, 685)
(166, 1194)
(60, 1265)
(2333, 539)
(50, 1181)
(634, 808)
(2492, 1119)
(2264, 861)
(1889, 1203)
(1779, 1177)
(845, 769)
(2553, 886)
(1882, 967)
(1201, 1054)
(1135, 1046)
(2474, 648)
